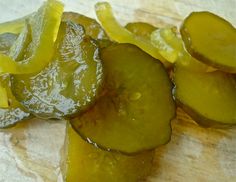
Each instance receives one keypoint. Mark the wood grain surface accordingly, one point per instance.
(34, 150)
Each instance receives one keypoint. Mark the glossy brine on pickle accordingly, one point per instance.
(69, 84)
(113, 85)
(91, 26)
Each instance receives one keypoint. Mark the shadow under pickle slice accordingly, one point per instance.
(135, 109)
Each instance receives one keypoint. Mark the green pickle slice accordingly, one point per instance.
(209, 98)
(44, 25)
(87, 163)
(210, 39)
(133, 112)
(91, 26)
(69, 83)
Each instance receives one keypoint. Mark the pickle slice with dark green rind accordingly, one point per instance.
(210, 39)
(209, 98)
(141, 29)
(91, 26)
(69, 84)
(87, 163)
(134, 111)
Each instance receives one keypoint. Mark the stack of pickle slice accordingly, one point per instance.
(204, 62)
(116, 85)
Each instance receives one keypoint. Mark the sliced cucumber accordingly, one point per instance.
(136, 106)
(210, 39)
(209, 98)
(69, 84)
(87, 163)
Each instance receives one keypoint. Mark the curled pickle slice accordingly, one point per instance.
(91, 26)
(44, 27)
(118, 33)
(168, 44)
(87, 163)
(210, 39)
(141, 29)
(134, 111)
(69, 84)
(13, 112)
(209, 98)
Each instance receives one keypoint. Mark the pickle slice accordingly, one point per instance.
(86, 163)
(91, 26)
(44, 26)
(13, 112)
(69, 83)
(141, 29)
(209, 98)
(134, 111)
(168, 43)
(210, 39)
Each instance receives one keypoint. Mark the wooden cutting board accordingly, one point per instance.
(33, 151)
